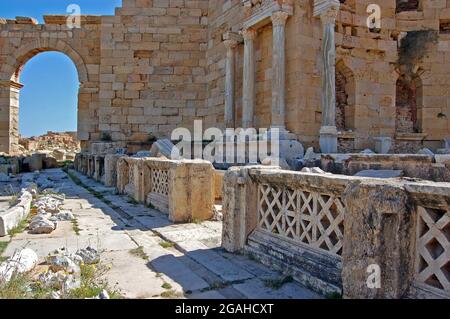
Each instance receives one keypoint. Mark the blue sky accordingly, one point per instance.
(48, 101)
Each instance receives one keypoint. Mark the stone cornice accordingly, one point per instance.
(11, 84)
(263, 14)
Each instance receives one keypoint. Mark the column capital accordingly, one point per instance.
(279, 18)
(327, 10)
(249, 34)
(231, 39)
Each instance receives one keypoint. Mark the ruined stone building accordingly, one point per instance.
(160, 64)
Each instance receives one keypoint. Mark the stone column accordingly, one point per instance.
(328, 131)
(279, 70)
(231, 41)
(248, 93)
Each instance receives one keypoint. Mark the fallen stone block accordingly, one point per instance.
(41, 225)
(313, 170)
(164, 148)
(20, 262)
(382, 173)
(291, 151)
(425, 151)
(273, 161)
(10, 219)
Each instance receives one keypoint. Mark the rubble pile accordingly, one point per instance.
(61, 145)
(49, 213)
(62, 275)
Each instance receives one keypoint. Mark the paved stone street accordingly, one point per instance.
(175, 261)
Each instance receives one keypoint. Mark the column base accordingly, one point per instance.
(328, 139)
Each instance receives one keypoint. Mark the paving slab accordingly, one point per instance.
(257, 289)
(214, 262)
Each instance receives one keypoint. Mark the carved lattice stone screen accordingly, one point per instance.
(433, 248)
(160, 181)
(307, 217)
(159, 192)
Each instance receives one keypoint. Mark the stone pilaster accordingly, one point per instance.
(248, 93)
(9, 116)
(231, 41)
(327, 10)
(279, 19)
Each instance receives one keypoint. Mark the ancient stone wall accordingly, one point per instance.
(152, 68)
(156, 65)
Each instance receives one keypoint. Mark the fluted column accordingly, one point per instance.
(279, 70)
(328, 131)
(230, 42)
(248, 93)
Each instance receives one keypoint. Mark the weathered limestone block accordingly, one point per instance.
(183, 189)
(239, 208)
(110, 164)
(378, 231)
(11, 217)
(122, 174)
(218, 183)
(35, 162)
(103, 148)
(49, 162)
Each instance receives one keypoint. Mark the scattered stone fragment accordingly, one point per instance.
(89, 256)
(70, 283)
(218, 215)
(20, 262)
(55, 295)
(64, 215)
(103, 295)
(62, 263)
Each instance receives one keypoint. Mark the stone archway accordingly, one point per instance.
(10, 87)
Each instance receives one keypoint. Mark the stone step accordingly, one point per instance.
(311, 268)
